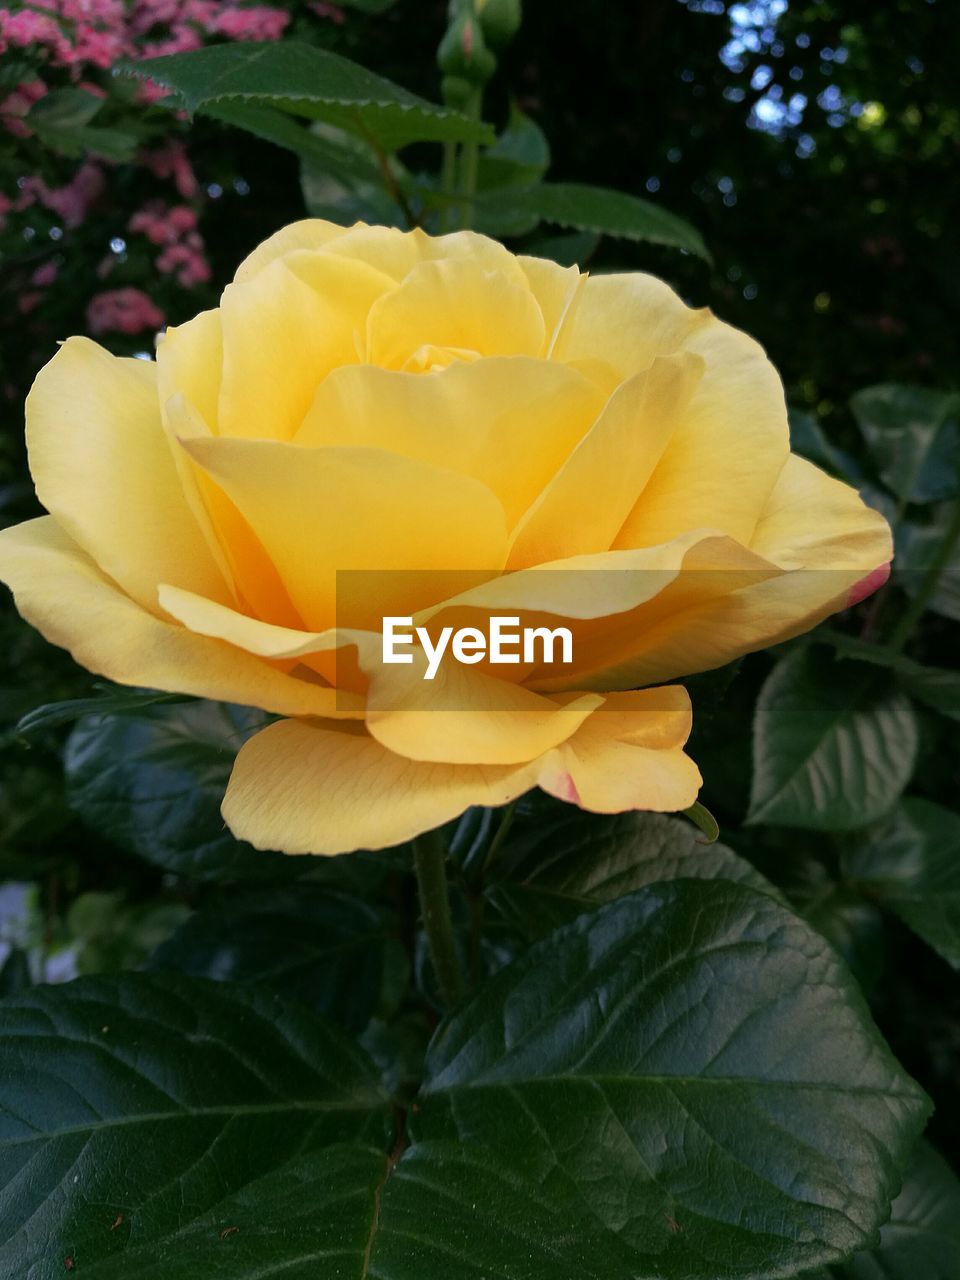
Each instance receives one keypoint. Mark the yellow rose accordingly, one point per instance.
(525, 439)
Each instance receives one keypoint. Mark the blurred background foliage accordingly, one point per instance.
(814, 146)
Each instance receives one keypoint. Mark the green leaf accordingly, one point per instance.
(368, 6)
(853, 926)
(572, 248)
(14, 70)
(683, 1084)
(519, 157)
(913, 868)
(347, 162)
(611, 213)
(15, 975)
(834, 744)
(856, 931)
(557, 869)
(306, 81)
(61, 120)
(398, 1046)
(914, 436)
(117, 701)
(67, 108)
(110, 934)
(111, 144)
(808, 439)
(152, 781)
(936, 687)
(337, 954)
(704, 821)
(919, 547)
(170, 1128)
(501, 219)
(348, 185)
(922, 1239)
(325, 197)
(468, 838)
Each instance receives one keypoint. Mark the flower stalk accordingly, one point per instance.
(470, 162)
(448, 184)
(467, 63)
(499, 836)
(430, 863)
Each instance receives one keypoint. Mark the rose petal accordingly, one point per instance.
(310, 787)
(584, 505)
(103, 467)
(727, 451)
(283, 329)
(509, 422)
(363, 514)
(315, 788)
(308, 233)
(628, 757)
(396, 253)
(60, 591)
(465, 716)
(454, 304)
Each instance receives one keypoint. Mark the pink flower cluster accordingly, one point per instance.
(42, 278)
(258, 22)
(184, 19)
(176, 230)
(70, 202)
(161, 27)
(16, 105)
(75, 32)
(332, 11)
(87, 37)
(123, 311)
(97, 33)
(170, 161)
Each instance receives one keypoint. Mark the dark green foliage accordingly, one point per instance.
(834, 744)
(912, 866)
(152, 782)
(665, 1067)
(167, 1116)
(338, 954)
(309, 82)
(153, 1114)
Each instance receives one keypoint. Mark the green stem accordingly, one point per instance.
(915, 610)
(477, 898)
(386, 172)
(470, 162)
(430, 862)
(501, 833)
(448, 184)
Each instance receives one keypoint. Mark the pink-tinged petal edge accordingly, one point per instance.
(568, 789)
(868, 585)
